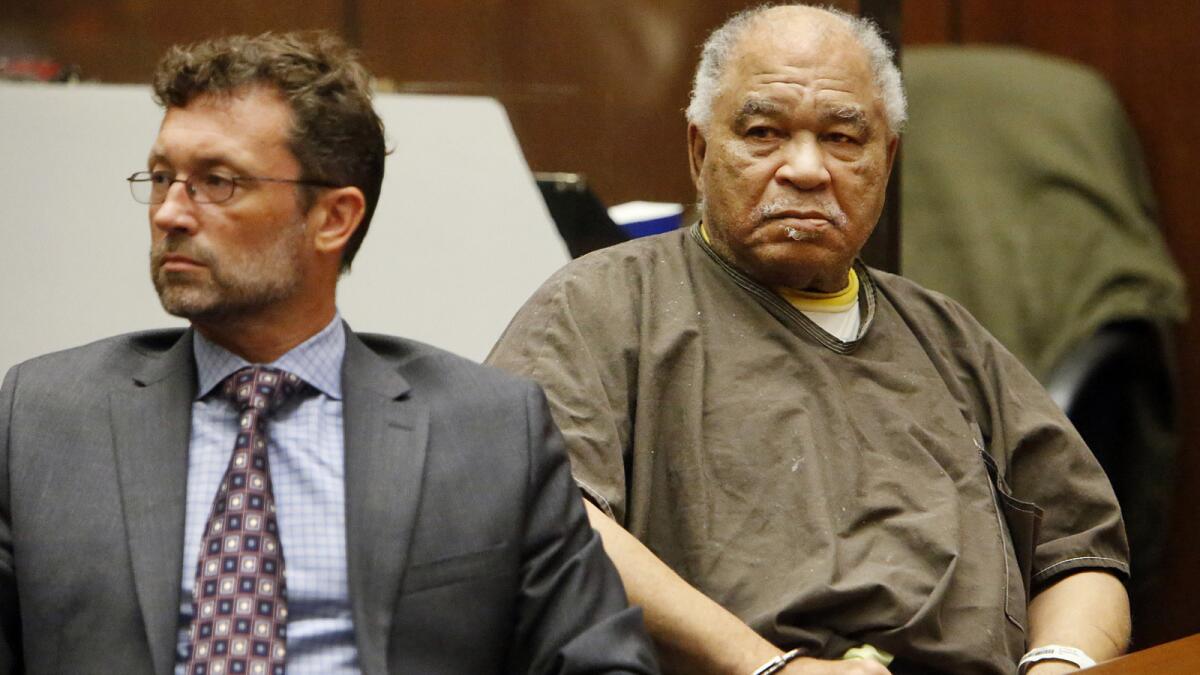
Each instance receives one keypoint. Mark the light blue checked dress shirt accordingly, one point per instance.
(306, 453)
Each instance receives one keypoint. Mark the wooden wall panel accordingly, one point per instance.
(121, 41)
(434, 44)
(931, 21)
(625, 132)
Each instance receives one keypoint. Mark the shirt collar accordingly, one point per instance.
(317, 361)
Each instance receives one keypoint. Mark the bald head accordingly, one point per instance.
(793, 27)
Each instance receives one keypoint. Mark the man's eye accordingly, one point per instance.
(837, 137)
(761, 132)
(161, 178)
(213, 180)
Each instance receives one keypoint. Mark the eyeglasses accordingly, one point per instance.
(151, 187)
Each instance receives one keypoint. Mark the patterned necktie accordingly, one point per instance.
(239, 601)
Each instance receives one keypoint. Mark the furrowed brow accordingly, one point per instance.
(756, 107)
(852, 115)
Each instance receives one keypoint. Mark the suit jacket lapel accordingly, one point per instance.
(151, 424)
(385, 433)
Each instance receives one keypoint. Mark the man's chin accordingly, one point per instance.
(800, 272)
(186, 303)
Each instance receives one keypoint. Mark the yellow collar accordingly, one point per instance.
(839, 301)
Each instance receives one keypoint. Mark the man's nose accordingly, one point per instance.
(803, 163)
(177, 212)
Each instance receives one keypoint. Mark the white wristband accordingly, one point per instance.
(1054, 653)
(776, 664)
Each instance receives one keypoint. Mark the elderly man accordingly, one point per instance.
(811, 455)
(269, 490)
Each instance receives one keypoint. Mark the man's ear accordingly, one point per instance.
(339, 212)
(892, 148)
(696, 149)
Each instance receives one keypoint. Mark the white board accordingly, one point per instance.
(460, 239)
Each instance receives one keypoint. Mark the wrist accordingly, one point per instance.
(777, 663)
(1052, 668)
(1037, 661)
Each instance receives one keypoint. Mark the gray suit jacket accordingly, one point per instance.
(468, 548)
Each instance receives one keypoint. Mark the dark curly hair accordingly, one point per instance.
(336, 135)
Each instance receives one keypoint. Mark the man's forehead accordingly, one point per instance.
(218, 126)
(816, 58)
(204, 133)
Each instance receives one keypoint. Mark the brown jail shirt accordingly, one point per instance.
(903, 490)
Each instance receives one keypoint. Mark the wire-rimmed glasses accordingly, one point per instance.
(151, 187)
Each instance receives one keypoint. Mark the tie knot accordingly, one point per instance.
(260, 388)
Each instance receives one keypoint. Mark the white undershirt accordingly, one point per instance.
(842, 325)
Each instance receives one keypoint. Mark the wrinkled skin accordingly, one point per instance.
(792, 165)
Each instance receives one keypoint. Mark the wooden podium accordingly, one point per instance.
(1181, 657)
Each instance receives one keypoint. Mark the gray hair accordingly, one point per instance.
(719, 46)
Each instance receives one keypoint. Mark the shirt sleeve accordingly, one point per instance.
(1041, 460)
(587, 381)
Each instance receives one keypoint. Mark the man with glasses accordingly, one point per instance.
(268, 491)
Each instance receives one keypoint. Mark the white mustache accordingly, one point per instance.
(826, 208)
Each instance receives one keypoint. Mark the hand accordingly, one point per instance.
(807, 666)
